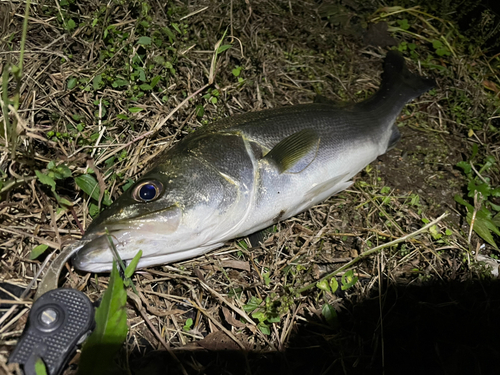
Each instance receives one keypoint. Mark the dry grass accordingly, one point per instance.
(288, 54)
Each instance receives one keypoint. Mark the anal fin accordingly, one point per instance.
(328, 188)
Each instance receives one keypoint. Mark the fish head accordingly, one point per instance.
(143, 218)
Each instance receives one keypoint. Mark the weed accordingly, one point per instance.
(188, 325)
(431, 32)
(9, 105)
(435, 232)
(483, 215)
(55, 172)
(269, 310)
(103, 344)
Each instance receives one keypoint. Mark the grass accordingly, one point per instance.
(103, 89)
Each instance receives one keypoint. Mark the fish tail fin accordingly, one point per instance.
(398, 87)
(397, 78)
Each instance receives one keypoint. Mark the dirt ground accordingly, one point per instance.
(89, 98)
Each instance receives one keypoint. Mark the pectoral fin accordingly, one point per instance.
(294, 149)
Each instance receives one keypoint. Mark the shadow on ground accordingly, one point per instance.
(448, 328)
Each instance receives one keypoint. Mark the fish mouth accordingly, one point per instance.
(94, 253)
(146, 232)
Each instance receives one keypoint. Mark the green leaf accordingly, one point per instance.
(169, 33)
(40, 368)
(144, 40)
(496, 220)
(404, 24)
(101, 347)
(252, 304)
(188, 325)
(62, 201)
(200, 111)
(155, 81)
(236, 71)
(267, 279)
(89, 185)
(442, 52)
(461, 201)
(334, 284)
(434, 231)
(475, 150)
(437, 44)
(348, 279)
(465, 166)
(482, 188)
(146, 87)
(46, 180)
(264, 328)
(72, 82)
(484, 225)
(61, 172)
(495, 192)
(128, 184)
(106, 200)
(176, 27)
(330, 315)
(275, 319)
(70, 24)
(37, 251)
(323, 285)
(385, 190)
(97, 82)
(223, 48)
(119, 83)
(135, 109)
(129, 271)
(259, 315)
(93, 210)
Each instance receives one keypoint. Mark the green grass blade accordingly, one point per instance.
(100, 349)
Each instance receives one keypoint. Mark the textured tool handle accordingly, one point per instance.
(58, 321)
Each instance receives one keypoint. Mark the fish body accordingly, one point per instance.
(247, 172)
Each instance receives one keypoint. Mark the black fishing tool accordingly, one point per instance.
(59, 321)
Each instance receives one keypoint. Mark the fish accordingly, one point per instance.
(244, 173)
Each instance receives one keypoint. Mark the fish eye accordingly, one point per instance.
(147, 191)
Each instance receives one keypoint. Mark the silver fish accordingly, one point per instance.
(247, 172)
